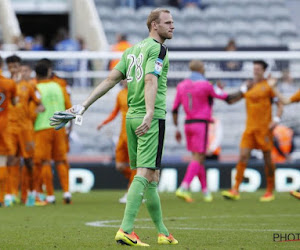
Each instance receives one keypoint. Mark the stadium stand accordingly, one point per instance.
(44, 6)
(219, 21)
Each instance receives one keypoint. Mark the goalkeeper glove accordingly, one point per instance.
(60, 119)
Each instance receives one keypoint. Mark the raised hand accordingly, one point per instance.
(272, 81)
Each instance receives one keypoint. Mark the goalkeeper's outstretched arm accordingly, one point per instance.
(113, 78)
(61, 118)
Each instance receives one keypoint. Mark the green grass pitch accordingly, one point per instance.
(222, 224)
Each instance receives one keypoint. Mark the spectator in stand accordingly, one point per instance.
(38, 43)
(190, 3)
(141, 3)
(121, 45)
(231, 65)
(65, 43)
(127, 3)
(28, 43)
(174, 3)
(136, 3)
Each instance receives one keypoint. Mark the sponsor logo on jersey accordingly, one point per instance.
(158, 66)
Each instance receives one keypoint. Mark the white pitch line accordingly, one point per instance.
(107, 223)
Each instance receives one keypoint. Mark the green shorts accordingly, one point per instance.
(145, 151)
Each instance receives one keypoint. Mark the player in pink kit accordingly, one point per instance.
(196, 95)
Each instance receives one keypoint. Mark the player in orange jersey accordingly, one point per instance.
(63, 168)
(21, 137)
(50, 144)
(8, 97)
(122, 158)
(258, 132)
(286, 101)
(26, 72)
(34, 109)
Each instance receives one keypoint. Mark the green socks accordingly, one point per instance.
(154, 208)
(134, 201)
(140, 188)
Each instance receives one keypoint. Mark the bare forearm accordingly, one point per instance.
(279, 109)
(234, 97)
(175, 118)
(150, 95)
(282, 98)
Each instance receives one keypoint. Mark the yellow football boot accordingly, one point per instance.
(129, 239)
(267, 197)
(184, 195)
(166, 240)
(231, 195)
(295, 194)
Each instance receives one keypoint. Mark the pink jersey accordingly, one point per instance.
(197, 98)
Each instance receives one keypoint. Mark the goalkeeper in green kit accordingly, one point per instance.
(145, 67)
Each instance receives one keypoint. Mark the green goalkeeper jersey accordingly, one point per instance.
(146, 57)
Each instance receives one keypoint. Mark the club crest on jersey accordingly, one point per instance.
(158, 66)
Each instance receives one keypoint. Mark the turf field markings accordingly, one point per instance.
(248, 216)
(104, 223)
(108, 223)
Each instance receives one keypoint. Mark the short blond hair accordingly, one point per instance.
(154, 16)
(196, 65)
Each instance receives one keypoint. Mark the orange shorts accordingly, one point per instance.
(21, 142)
(50, 144)
(122, 151)
(257, 139)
